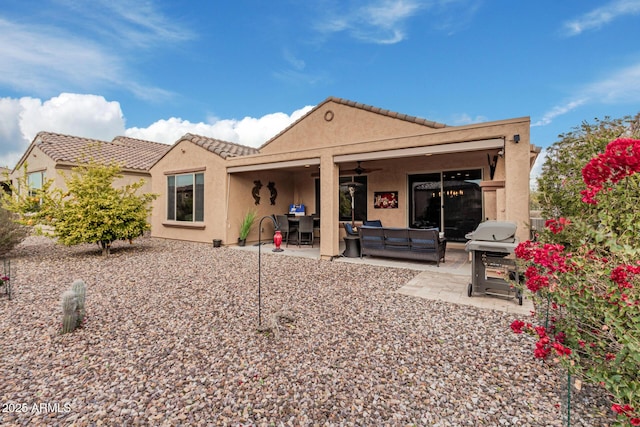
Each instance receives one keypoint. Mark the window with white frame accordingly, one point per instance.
(185, 197)
(35, 181)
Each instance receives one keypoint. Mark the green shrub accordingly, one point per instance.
(11, 232)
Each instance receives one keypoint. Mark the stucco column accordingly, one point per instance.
(517, 179)
(329, 232)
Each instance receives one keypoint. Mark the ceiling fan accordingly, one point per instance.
(358, 170)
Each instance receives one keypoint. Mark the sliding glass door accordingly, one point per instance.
(425, 200)
(450, 201)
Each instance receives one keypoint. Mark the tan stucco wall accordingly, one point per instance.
(348, 125)
(37, 161)
(516, 176)
(186, 157)
(241, 200)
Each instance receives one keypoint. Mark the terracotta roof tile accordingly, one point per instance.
(129, 153)
(222, 148)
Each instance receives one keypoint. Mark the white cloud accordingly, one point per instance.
(92, 116)
(601, 16)
(37, 59)
(247, 131)
(88, 47)
(12, 142)
(381, 22)
(622, 86)
(384, 21)
(295, 62)
(137, 22)
(559, 110)
(465, 119)
(88, 116)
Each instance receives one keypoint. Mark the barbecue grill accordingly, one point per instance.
(492, 245)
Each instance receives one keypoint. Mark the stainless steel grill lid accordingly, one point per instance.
(494, 231)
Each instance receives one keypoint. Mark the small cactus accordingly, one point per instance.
(69, 313)
(80, 289)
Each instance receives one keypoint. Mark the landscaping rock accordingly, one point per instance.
(171, 338)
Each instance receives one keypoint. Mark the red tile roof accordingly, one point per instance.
(128, 153)
(222, 148)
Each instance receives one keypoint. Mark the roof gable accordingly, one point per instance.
(224, 149)
(382, 115)
(128, 153)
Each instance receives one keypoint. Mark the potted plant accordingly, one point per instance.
(245, 226)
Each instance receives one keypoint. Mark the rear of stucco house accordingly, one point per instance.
(450, 177)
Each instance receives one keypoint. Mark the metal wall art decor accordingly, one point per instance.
(274, 193)
(492, 165)
(255, 192)
(385, 200)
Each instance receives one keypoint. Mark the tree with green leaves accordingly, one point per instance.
(92, 210)
(560, 182)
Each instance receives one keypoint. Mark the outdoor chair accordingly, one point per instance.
(285, 228)
(305, 231)
(349, 229)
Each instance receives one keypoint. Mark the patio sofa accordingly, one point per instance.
(407, 243)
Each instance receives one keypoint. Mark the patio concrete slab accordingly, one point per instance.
(453, 288)
(447, 282)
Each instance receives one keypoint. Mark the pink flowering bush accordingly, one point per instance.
(584, 274)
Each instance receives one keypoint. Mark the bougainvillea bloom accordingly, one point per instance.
(619, 409)
(561, 350)
(620, 159)
(517, 325)
(556, 226)
(620, 275)
(534, 280)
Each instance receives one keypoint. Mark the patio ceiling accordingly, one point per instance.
(456, 147)
(350, 161)
(288, 165)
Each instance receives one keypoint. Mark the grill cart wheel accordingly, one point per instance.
(470, 290)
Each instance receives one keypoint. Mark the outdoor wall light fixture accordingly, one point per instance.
(276, 229)
(516, 138)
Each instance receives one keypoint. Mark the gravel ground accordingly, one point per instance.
(171, 339)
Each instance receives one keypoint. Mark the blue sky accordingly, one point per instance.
(243, 70)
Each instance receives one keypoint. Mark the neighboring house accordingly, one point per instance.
(51, 155)
(411, 171)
